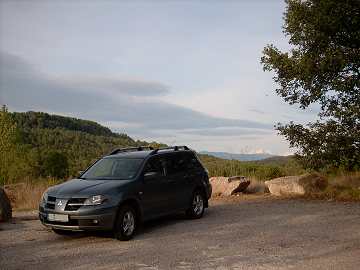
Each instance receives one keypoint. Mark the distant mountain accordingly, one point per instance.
(276, 160)
(241, 157)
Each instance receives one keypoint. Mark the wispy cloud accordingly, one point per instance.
(23, 87)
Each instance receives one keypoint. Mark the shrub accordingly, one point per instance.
(56, 165)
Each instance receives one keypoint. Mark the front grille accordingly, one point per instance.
(50, 205)
(51, 199)
(74, 204)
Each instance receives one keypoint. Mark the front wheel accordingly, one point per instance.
(196, 209)
(125, 224)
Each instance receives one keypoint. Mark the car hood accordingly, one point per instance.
(83, 187)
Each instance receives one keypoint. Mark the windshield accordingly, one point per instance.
(113, 169)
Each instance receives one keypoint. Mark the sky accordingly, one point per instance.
(177, 72)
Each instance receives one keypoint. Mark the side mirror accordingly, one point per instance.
(81, 172)
(150, 175)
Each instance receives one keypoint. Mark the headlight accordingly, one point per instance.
(44, 197)
(95, 200)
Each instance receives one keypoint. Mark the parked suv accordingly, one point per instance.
(127, 187)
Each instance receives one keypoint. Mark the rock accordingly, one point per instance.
(297, 185)
(256, 187)
(5, 206)
(228, 185)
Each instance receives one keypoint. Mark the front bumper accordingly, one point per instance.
(98, 219)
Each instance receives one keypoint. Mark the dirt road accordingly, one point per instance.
(260, 233)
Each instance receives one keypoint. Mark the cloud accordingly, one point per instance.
(120, 86)
(257, 111)
(228, 132)
(106, 99)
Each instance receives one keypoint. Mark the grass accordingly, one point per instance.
(253, 169)
(27, 195)
(342, 187)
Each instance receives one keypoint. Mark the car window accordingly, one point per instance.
(113, 169)
(192, 162)
(175, 163)
(155, 164)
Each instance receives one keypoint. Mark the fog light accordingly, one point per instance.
(95, 221)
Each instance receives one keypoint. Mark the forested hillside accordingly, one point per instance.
(39, 145)
(43, 145)
(31, 120)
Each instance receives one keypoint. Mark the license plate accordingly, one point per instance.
(58, 217)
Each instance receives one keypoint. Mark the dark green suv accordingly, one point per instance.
(127, 187)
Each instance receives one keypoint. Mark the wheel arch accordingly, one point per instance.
(134, 203)
(202, 190)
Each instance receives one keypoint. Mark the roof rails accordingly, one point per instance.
(130, 149)
(176, 148)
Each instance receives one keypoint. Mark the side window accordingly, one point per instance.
(176, 163)
(155, 164)
(192, 162)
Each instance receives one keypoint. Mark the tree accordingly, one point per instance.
(7, 144)
(322, 67)
(13, 163)
(56, 165)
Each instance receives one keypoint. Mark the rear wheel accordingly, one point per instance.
(126, 223)
(197, 207)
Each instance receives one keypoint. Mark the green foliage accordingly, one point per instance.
(55, 165)
(7, 143)
(325, 145)
(31, 120)
(48, 146)
(80, 148)
(12, 159)
(257, 169)
(323, 67)
(56, 146)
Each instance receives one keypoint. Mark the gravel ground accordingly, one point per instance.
(258, 233)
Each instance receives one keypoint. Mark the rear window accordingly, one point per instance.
(175, 163)
(113, 169)
(193, 163)
(155, 164)
(181, 162)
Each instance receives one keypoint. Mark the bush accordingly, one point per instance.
(27, 195)
(56, 165)
(313, 182)
(343, 187)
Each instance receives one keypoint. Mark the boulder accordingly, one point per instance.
(5, 206)
(297, 185)
(228, 185)
(256, 187)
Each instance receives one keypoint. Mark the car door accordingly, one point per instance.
(194, 173)
(180, 183)
(155, 189)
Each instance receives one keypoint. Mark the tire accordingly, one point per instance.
(197, 207)
(126, 223)
(62, 232)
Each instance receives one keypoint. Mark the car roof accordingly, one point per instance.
(132, 154)
(144, 154)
